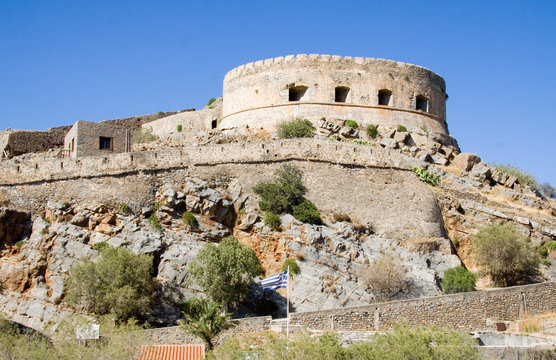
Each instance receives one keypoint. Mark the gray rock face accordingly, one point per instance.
(466, 161)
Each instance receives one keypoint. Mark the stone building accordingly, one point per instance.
(18, 142)
(369, 91)
(88, 138)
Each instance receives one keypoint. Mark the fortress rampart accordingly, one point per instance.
(126, 163)
(367, 90)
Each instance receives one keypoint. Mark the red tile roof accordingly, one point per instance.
(172, 352)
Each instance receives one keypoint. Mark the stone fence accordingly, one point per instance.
(472, 311)
(317, 150)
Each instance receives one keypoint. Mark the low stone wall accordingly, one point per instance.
(466, 311)
(316, 150)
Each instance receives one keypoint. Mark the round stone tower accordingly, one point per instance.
(370, 91)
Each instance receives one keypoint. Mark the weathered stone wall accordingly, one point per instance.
(190, 121)
(18, 142)
(110, 164)
(86, 135)
(466, 311)
(264, 86)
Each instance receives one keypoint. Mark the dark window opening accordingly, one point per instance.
(72, 148)
(421, 103)
(297, 92)
(105, 143)
(385, 97)
(341, 94)
(214, 124)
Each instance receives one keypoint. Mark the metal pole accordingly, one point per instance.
(288, 308)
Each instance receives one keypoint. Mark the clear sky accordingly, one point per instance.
(62, 61)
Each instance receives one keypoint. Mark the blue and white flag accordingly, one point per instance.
(276, 281)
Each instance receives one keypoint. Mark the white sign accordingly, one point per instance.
(87, 332)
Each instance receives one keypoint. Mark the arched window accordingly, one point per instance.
(341, 93)
(422, 103)
(297, 92)
(385, 97)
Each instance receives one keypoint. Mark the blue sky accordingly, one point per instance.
(62, 61)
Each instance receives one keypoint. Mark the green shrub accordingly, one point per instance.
(156, 206)
(546, 263)
(226, 271)
(120, 283)
(155, 223)
(19, 244)
(550, 245)
(427, 177)
(100, 246)
(211, 100)
(455, 241)
(283, 192)
(160, 113)
(294, 268)
(296, 128)
(543, 251)
(352, 124)
(307, 212)
(372, 131)
(125, 209)
(522, 176)
(140, 137)
(272, 220)
(179, 128)
(504, 254)
(189, 219)
(457, 280)
(402, 128)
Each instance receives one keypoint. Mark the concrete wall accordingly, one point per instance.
(86, 136)
(266, 83)
(466, 311)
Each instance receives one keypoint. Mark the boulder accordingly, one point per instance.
(388, 143)
(400, 136)
(466, 161)
(248, 221)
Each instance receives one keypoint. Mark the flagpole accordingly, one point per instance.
(288, 308)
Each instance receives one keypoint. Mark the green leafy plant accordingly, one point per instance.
(160, 113)
(140, 137)
(179, 127)
(523, 177)
(543, 251)
(457, 280)
(125, 209)
(225, 271)
(292, 265)
(352, 124)
(372, 131)
(550, 245)
(100, 246)
(402, 128)
(156, 206)
(272, 220)
(211, 101)
(154, 222)
(19, 244)
(296, 128)
(455, 241)
(307, 212)
(504, 254)
(189, 219)
(426, 176)
(120, 283)
(205, 319)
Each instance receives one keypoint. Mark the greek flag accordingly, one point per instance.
(276, 281)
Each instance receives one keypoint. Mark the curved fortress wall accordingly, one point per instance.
(369, 91)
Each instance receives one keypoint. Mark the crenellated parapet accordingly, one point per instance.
(370, 91)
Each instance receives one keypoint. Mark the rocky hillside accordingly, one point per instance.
(369, 212)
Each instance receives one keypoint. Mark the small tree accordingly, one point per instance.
(205, 319)
(292, 265)
(283, 192)
(120, 283)
(226, 270)
(386, 278)
(457, 280)
(503, 254)
(296, 128)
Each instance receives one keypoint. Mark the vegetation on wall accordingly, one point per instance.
(284, 194)
(426, 176)
(504, 254)
(402, 128)
(226, 270)
(352, 124)
(189, 219)
(120, 283)
(140, 137)
(211, 101)
(296, 128)
(457, 280)
(372, 131)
